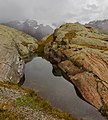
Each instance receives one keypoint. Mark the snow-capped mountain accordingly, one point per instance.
(101, 25)
(31, 27)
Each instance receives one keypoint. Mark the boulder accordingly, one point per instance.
(81, 53)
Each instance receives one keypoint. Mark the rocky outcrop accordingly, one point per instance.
(15, 47)
(81, 54)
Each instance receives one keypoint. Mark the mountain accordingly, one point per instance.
(101, 25)
(31, 27)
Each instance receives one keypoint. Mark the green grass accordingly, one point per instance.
(42, 44)
(33, 101)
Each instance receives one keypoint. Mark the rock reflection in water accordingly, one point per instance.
(57, 90)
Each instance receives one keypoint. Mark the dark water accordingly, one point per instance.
(57, 90)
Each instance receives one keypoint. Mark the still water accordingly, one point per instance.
(59, 92)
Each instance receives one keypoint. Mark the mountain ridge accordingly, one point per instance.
(101, 25)
(31, 27)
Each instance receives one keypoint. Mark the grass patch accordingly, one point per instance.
(9, 85)
(42, 44)
(70, 35)
(33, 101)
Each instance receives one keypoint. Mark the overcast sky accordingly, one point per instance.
(52, 11)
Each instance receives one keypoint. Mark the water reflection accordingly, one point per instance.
(60, 93)
(57, 72)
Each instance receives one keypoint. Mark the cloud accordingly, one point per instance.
(10, 10)
(92, 6)
(49, 11)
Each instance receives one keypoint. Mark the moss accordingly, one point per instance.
(26, 101)
(8, 84)
(5, 106)
(25, 43)
(6, 115)
(70, 35)
(50, 118)
(59, 42)
(104, 110)
(42, 44)
(95, 47)
(66, 39)
(14, 86)
(33, 101)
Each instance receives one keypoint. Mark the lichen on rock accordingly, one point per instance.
(15, 48)
(81, 53)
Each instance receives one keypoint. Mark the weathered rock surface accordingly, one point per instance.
(15, 47)
(81, 53)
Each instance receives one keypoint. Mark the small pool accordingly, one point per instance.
(59, 92)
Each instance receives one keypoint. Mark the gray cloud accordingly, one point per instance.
(92, 6)
(49, 11)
